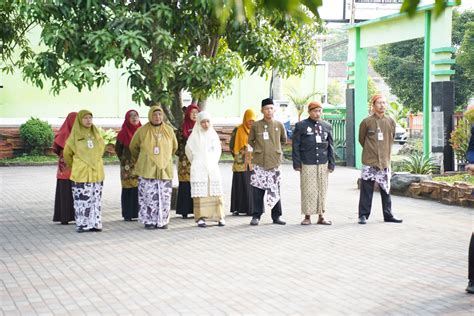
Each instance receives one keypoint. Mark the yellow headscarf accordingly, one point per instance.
(242, 134)
(157, 136)
(79, 138)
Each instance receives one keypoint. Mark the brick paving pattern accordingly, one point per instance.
(415, 268)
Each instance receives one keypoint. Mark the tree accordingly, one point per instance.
(371, 88)
(465, 57)
(401, 65)
(335, 93)
(164, 47)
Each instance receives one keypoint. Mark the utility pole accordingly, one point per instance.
(353, 10)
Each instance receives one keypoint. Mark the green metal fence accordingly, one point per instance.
(338, 123)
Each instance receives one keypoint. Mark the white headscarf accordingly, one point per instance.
(203, 150)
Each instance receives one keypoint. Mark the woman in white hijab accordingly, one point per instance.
(203, 150)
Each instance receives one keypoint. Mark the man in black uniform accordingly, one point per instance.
(313, 157)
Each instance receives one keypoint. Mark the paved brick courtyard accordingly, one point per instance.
(418, 267)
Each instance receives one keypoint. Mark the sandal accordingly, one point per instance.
(306, 221)
(322, 221)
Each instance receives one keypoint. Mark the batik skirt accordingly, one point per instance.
(314, 187)
(154, 198)
(87, 197)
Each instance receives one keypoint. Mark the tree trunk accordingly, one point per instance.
(177, 108)
(202, 104)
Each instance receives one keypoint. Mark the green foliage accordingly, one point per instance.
(465, 57)
(371, 88)
(399, 113)
(301, 102)
(418, 163)
(37, 135)
(401, 66)
(335, 93)
(465, 177)
(460, 139)
(109, 135)
(412, 146)
(164, 47)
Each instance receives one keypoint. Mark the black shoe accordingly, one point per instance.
(279, 221)
(235, 213)
(127, 219)
(64, 223)
(393, 220)
(80, 229)
(150, 226)
(162, 227)
(184, 216)
(254, 221)
(362, 220)
(93, 229)
(470, 287)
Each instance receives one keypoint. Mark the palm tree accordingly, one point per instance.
(301, 101)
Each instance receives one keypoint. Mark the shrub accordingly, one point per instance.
(109, 136)
(460, 139)
(37, 135)
(420, 164)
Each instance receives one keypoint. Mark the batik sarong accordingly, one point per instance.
(87, 197)
(381, 176)
(314, 186)
(154, 197)
(268, 180)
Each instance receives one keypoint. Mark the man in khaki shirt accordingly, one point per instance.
(265, 139)
(376, 134)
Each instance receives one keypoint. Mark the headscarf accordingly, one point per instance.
(63, 133)
(79, 137)
(160, 136)
(242, 134)
(200, 139)
(188, 124)
(128, 129)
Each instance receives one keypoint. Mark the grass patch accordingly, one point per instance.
(459, 177)
(30, 159)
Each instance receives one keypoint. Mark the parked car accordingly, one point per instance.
(401, 134)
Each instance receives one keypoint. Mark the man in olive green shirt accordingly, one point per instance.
(376, 134)
(265, 140)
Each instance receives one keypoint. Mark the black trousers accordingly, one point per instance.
(471, 259)
(365, 200)
(258, 205)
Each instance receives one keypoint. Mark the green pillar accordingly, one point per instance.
(427, 86)
(361, 80)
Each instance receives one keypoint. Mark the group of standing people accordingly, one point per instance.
(146, 166)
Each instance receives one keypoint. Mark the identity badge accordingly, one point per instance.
(379, 136)
(90, 143)
(156, 150)
(265, 136)
(318, 139)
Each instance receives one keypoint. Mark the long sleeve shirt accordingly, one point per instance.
(306, 149)
(376, 137)
(267, 151)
